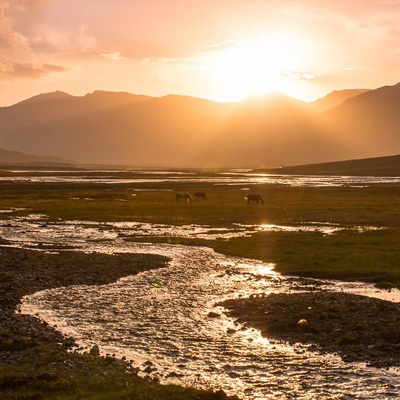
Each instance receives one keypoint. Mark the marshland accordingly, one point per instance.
(105, 272)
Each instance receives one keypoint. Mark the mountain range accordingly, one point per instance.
(180, 131)
(16, 158)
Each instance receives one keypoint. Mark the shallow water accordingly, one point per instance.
(160, 319)
(231, 177)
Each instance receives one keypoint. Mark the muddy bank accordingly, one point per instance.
(358, 328)
(35, 360)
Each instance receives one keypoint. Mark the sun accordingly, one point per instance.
(252, 67)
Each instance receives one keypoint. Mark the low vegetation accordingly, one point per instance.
(365, 255)
(370, 255)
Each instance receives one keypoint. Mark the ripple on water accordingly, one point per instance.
(167, 317)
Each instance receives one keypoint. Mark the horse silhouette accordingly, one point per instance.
(184, 196)
(200, 195)
(254, 197)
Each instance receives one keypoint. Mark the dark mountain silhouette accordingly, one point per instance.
(335, 98)
(266, 130)
(367, 125)
(12, 158)
(376, 166)
(180, 131)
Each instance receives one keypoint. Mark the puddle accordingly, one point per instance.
(165, 319)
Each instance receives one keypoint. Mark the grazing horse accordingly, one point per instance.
(183, 195)
(200, 195)
(254, 197)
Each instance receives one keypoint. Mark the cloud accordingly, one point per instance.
(115, 56)
(9, 37)
(226, 45)
(12, 70)
(298, 76)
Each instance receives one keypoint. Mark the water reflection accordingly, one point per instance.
(166, 321)
(233, 177)
(114, 230)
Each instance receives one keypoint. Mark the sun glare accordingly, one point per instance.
(255, 67)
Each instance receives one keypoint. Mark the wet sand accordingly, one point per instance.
(358, 328)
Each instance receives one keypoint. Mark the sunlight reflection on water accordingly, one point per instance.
(233, 177)
(168, 325)
(163, 316)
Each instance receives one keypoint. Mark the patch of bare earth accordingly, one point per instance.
(358, 328)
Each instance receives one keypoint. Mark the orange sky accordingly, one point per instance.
(222, 50)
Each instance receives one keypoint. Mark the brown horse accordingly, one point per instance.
(200, 195)
(254, 197)
(183, 195)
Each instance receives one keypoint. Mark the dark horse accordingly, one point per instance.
(254, 197)
(183, 195)
(200, 195)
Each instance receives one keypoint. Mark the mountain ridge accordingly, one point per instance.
(16, 158)
(374, 166)
(335, 98)
(120, 128)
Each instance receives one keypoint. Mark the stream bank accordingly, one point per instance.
(358, 328)
(38, 362)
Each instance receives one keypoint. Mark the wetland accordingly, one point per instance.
(222, 285)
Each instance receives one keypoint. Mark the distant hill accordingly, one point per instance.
(335, 98)
(377, 166)
(118, 128)
(13, 158)
(367, 125)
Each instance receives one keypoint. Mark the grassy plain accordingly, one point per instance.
(371, 255)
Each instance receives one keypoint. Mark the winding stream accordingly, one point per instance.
(160, 320)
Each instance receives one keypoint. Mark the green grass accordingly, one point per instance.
(370, 256)
(94, 382)
(226, 205)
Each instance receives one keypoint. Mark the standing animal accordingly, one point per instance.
(254, 197)
(183, 196)
(200, 195)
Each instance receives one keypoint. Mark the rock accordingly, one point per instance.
(69, 342)
(95, 351)
(148, 369)
(213, 314)
(219, 395)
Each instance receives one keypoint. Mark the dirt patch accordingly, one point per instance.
(358, 328)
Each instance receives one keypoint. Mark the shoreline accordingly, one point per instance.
(357, 328)
(38, 362)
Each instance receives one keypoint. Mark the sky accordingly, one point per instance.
(222, 50)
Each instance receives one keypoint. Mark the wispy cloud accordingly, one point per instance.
(115, 56)
(10, 69)
(222, 46)
(300, 75)
(9, 37)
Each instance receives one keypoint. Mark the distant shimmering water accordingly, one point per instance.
(230, 177)
(160, 319)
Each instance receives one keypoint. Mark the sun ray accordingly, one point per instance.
(254, 67)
